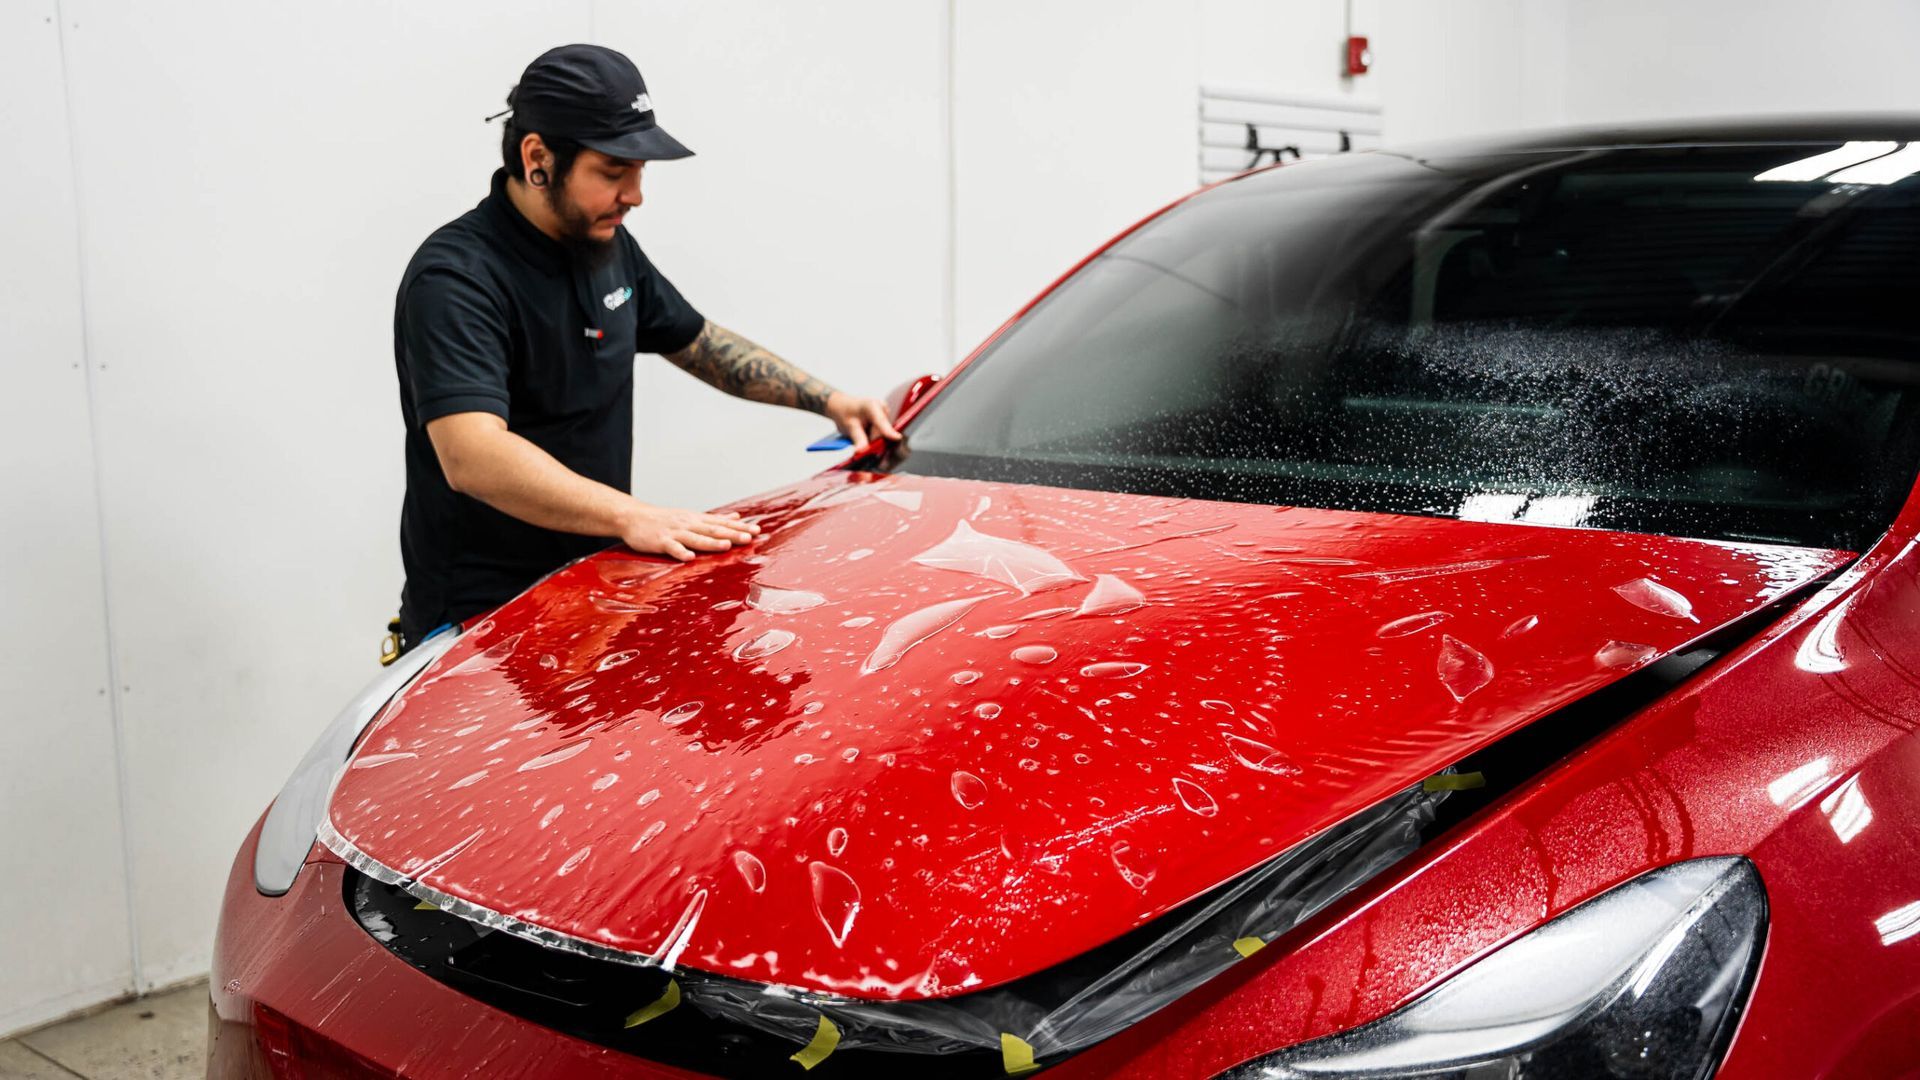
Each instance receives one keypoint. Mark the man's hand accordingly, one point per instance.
(679, 534)
(484, 460)
(860, 419)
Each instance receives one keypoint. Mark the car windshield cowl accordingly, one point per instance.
(1668, 339)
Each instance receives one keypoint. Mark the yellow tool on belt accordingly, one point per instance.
(390, 645)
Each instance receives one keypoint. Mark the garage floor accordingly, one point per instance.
(162, 1037)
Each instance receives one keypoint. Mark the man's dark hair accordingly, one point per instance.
(564, 149)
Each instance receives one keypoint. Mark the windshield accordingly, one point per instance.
(1670, 340)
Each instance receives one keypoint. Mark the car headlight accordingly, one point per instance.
(294, 818)
(1645, 980)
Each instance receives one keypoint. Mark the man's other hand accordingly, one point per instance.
(680, 534)
(861, 420)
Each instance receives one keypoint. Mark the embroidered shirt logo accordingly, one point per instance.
(643, 103)
(619, 296)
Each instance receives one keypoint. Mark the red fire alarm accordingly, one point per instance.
(1359, 56)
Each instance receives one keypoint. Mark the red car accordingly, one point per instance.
(1448, 613)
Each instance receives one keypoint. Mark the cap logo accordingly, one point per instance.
(643, 103)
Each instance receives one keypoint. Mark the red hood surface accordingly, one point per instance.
(928, 736)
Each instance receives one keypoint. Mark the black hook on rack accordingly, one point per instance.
(1275, 152)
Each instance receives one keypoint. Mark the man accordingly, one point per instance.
(515, 332)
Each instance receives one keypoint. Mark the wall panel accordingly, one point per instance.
(63, 910)
(1073, 120)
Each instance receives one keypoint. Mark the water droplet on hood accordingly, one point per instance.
(1047, 613)
(987, 710)
(1036, 654)
(968, 790)
(614, 660)
(1110, 596)
(836, 841)
(752, 870)
(680, 714)
(1650, 595)
(1520, 626)
(1624, 654)
(763, 646)
(1260, 757)
(1195, 798)
(836, 900)
(648, 836)
(555, 757)
(1009, 562)
(1412, 624)
(1461, 667)
(676, 940)
(1113, 669)
(1135, 867)
(574, 861)
(777, 601)
(912, 629)
(615, 606)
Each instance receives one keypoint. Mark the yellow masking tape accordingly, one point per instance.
(1016, 1055)
(659, 1008)
(1465, 781)
(426, 905)
(825, 1038)
(1247, 946)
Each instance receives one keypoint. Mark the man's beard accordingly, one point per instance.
(576, 229)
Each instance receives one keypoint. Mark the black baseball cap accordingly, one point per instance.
(595, 97)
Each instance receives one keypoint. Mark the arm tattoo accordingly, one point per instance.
(724, 359)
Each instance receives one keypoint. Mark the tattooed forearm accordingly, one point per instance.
(731, 362)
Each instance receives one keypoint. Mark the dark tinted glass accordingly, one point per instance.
(1650, 340)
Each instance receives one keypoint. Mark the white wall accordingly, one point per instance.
(1467, 67)
(1073, 119)
(1641, 59)
(63, 910)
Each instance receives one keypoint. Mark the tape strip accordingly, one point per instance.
(1016, 1055)
(825, 1038)
(1465, 781)
(666, 1004)
(1247, 946)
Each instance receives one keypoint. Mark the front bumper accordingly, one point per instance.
(299, 989)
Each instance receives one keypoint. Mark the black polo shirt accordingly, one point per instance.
(493, 316)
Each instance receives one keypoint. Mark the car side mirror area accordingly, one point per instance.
(907, 394)
(899, 400)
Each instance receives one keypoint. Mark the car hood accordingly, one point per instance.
(929, 736)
